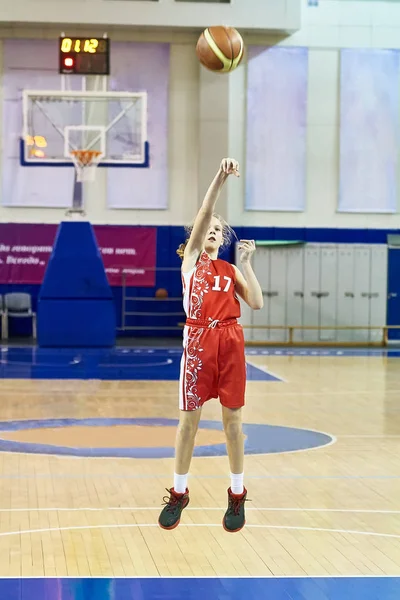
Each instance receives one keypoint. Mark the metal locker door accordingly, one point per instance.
(277, 300)
(393, 293)
(295, 289)
(262, 270)
(328, 291)
(345, 291)
(362, 272)
(378, 291)
(311, 289)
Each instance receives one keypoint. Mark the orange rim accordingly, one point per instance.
(85, 157)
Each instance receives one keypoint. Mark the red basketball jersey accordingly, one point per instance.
(209, 291)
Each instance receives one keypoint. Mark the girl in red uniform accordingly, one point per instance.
(213, 361)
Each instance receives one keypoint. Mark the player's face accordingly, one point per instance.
(214, 238)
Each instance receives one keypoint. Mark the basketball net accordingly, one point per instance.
(86, 162)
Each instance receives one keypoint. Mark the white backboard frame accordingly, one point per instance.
(135, 160)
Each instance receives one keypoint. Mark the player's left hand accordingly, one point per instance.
(247, 249)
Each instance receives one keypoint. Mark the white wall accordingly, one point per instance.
(281, 15)
(325, 29)
(334, 24)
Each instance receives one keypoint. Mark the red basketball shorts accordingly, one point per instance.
(212, 365)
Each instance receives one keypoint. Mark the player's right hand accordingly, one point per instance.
(230, 166)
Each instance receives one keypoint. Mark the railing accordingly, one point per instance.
(292, 342)
(125, 313)
(290, 329)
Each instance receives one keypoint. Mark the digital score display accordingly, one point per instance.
(84, 56)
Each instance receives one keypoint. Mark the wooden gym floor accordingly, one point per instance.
(323, 477)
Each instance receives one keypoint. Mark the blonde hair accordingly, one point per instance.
(227, 235)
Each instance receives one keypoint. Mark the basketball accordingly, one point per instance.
(161, 293)
(220, 49)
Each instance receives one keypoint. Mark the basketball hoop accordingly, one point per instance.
(86, 162)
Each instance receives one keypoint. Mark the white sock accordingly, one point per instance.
(180, 483)
(237, 483)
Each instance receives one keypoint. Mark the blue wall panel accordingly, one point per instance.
(168, 240)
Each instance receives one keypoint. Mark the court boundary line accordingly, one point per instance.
(203, 508)
(194, 525)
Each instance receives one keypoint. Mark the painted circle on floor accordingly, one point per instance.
(144, 438)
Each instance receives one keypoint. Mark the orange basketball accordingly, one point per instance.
(220, 49)
(161, 293)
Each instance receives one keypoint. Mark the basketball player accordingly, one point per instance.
(213, 361)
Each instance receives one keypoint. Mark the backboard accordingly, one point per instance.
(57, 122)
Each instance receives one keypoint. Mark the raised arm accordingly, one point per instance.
(202, 222)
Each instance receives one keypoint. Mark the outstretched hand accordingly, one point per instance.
(230, 166)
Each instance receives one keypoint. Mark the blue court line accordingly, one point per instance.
(104, 364)
(195, 588)
(261, 439)
(254, 373)
(157, 364)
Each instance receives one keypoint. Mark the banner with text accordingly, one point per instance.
(25, 249)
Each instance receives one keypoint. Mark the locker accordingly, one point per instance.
(328, 291)
(320, 285)
(261, 317)
(378, 290)
(362, 266)
(295, 289)
(393, 292)
(278, 297)
(311, 289)
(345, 291)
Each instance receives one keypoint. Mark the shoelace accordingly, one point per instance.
(171, 501)
(235, 504)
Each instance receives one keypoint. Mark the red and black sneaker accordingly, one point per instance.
(234, 518)
(171, 513)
